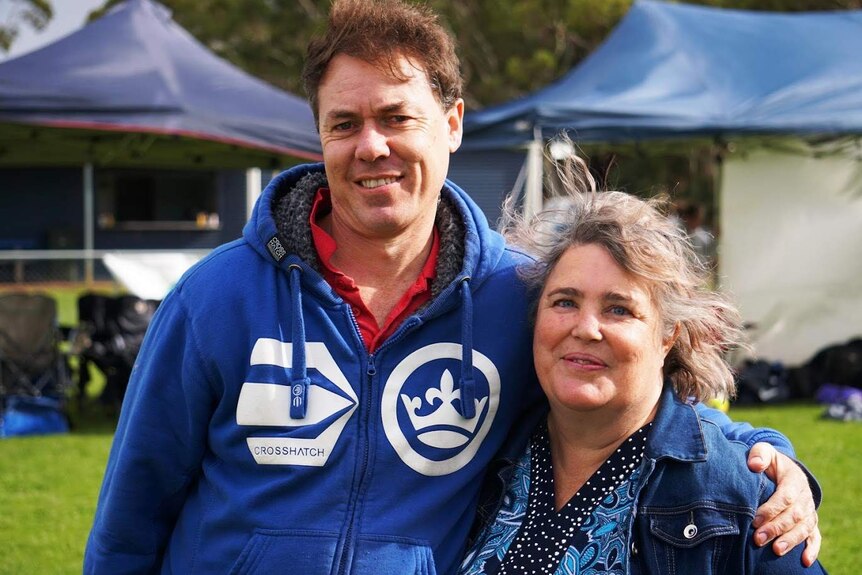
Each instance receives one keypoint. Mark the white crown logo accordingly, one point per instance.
(443, 428)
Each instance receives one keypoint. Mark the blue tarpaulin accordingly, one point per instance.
(136, 71)
(675, 70)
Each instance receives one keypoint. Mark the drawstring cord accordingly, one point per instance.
(467, 383)
(299, 376)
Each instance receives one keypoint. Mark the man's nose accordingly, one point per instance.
(373, 144)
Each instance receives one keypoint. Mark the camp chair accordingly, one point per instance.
(34, 375)
(31, 362)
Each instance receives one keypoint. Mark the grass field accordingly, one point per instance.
(49, 485)
(831, 451)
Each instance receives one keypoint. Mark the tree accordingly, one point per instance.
(508, 48)
(15, 13)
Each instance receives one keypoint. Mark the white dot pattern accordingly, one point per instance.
(546, 534)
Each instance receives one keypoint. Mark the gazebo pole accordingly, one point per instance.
(533, 194)
(89, 221)
(253, 185)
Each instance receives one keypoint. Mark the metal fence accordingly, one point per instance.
(20, 268)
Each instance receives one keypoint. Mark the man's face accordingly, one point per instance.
(386, 145)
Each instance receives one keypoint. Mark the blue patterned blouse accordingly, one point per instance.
(586, 536)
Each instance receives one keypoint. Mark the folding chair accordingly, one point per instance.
(34, 375)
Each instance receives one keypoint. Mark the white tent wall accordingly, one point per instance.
(791, 245)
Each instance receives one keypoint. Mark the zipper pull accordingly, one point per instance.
(371, 370)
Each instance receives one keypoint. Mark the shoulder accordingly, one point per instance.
(221, 263)
(705, 468)
(229, 274)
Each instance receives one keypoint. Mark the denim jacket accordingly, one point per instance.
(694, 505)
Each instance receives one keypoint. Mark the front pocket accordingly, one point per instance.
(279, 551)
(690, 526)
(699, 538)
(395, 555)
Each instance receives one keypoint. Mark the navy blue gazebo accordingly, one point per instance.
(133, 86)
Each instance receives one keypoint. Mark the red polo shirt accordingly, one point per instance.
(418, 294)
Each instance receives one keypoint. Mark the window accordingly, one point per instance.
(139, 200)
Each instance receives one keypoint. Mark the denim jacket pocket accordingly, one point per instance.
(697, 538)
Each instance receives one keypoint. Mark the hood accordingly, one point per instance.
(279, 231)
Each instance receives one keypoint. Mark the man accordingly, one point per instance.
(323, 396)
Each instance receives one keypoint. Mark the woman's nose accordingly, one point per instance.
(587, 326)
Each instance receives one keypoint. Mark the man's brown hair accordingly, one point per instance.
(379, 31)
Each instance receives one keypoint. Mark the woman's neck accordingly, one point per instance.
(582, 442)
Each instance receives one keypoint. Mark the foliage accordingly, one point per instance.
(508, 47)
(14, 13)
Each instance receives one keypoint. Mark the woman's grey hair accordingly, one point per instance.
(647, 244)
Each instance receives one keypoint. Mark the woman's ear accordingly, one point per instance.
(667, 343)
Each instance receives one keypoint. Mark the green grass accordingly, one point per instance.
(48, 491)
(49, 486)
(830, 449)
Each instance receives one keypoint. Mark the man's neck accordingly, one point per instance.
(382, 268)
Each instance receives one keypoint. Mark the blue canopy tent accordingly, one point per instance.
(675, 70)
(135, 87)
(134, 91)
(784, 91)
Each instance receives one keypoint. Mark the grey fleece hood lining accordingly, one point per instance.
(291, 209)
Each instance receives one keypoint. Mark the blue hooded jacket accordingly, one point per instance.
(259, 436)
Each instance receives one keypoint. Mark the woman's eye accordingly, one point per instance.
(619, 310)
(562, 303)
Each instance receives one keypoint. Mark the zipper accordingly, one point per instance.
(370, 372)
(347, 550)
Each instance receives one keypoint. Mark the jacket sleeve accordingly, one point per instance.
(748, 435)
(157, 449)
(764, 559)
(743, 432)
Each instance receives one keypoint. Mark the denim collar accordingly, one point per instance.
(677, 432)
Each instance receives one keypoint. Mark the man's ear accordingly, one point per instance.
(455, 121)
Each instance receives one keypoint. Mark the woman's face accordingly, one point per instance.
(598, 339)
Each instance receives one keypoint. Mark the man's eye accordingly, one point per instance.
(398, 119)
(342, 127)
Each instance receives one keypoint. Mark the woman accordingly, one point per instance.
(625, 477)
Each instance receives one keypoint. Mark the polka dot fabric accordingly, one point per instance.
(547, 537)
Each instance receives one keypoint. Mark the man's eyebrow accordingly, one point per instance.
(339, 115)
(345, 114)
(393, 107)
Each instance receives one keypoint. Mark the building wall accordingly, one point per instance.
(487, 176)
(43, 208)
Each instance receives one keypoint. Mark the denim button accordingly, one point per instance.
(689, 531)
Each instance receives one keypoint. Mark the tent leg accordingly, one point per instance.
(252, 189)
(89, 219)
(533, 194)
